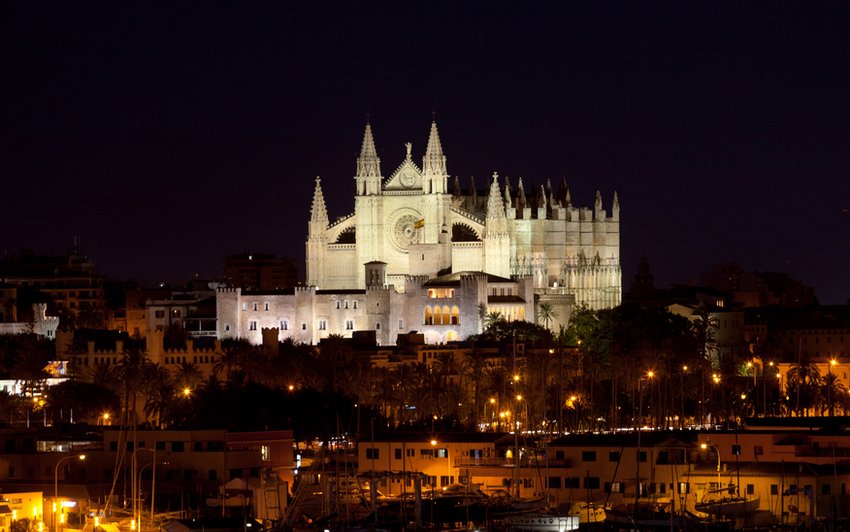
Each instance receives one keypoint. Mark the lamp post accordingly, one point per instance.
(706, 445)
(682, 396)
(492, 403)
(638, 483)
(516, 422)
(830, 407)
(755, 367)
(715, 377)
(764, 388)
(56, 481)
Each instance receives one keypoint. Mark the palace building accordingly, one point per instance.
(416, 254)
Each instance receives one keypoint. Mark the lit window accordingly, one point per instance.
(264, 452)
(244, 306)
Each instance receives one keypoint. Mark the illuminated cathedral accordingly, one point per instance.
(417, 254)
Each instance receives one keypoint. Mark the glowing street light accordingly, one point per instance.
(706, 445)
(832, 362)
(80, 457)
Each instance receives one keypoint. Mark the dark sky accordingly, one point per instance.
(168, 135)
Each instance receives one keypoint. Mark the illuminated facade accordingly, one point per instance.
(443, 308)
(411, 221)
(414, 256)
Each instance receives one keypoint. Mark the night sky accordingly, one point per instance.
(166, 135)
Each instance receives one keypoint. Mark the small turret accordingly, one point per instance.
(522, 202)
(615, 207)
(599, 212)
(541, 203)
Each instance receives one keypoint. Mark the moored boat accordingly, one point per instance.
(730, 507)
(540, 522)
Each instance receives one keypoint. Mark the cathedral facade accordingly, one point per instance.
(412, 221)
(417, 256)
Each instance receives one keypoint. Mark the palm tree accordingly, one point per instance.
(159, 393)
(547, 313)
(234, 353)
(804, 383)
(131, 373)
(703, 329)
(833, 390)
(492, 319)
(188, 375)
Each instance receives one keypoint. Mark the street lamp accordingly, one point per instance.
(706, 445)
(832, 362)
(649, 375)
(492, 403)
(56, 481)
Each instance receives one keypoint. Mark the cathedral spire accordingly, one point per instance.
(434, 162)
(368, 165)
(496, 218)
(508, 201)
(318, 213)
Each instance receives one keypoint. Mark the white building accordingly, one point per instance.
(415, 256)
